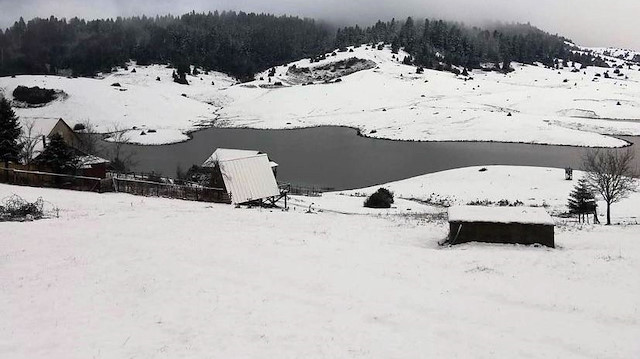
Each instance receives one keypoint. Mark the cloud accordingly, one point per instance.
(589, 22)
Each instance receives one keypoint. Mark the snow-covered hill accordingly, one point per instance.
(392, 101)
(614, 54)
(140, 101)
(366, 88)
(120, 276)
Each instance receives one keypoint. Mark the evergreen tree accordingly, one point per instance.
(9, 133)
(58, 156)
(581, 199)
(395, 45)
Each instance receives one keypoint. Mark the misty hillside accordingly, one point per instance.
(241, 44)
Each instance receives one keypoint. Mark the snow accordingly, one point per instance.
(226, 154)
(393, 102)
(140, 101)
(533, 186)
(521, 215)
(388, 101)
(88, 161)
(120, 276)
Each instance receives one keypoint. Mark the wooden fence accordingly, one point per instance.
(301, 190)
(51, 180)
(149, 188)
(124, 185)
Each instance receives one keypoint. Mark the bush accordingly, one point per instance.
(33, 95)
(79, 127)
(382, 198)
(15, 208)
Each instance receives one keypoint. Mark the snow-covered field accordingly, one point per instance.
(171, 109)
(387, 101)
(119, 276)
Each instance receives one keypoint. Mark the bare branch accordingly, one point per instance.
(29, 140)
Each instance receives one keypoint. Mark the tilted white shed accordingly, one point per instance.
(248, 175)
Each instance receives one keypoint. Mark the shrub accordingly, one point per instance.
(33, 95)
(15, 208)
(79, 127)
(382, 198)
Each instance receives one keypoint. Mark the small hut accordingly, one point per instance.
(516, 225)
(247, 176)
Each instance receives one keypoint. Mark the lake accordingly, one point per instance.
(337, 158)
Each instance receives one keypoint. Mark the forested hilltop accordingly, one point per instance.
(235, 43)
(436, 44)
(242, 44)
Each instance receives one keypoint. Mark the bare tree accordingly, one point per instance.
(121, 160)
(29, 139)
(611, 174)
(89, 139)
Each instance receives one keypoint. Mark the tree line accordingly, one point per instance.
(433, 43)
(236, 43)
(242, 44)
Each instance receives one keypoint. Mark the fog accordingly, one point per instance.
(588, 22)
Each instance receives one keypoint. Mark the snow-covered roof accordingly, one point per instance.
(90, 160)
(226, 154)
(522, 215)
(249, 178)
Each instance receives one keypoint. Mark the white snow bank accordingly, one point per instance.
(522, 215)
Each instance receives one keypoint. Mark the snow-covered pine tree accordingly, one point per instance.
(58, 156)
(9, 133)
(581, 199)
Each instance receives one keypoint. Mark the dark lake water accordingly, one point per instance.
(337, 158)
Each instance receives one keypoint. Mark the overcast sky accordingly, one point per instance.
(588, 22)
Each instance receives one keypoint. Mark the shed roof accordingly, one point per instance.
(249, 178)
(90, 160)
(521, 215)
(225, 154)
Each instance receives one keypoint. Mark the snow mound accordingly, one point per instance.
(522, 215)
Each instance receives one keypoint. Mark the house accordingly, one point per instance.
(44, 128)
(68, 135)
(247, 176)
(516, 225)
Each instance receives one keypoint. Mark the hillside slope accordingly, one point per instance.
(365, 88)
(121, 276)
